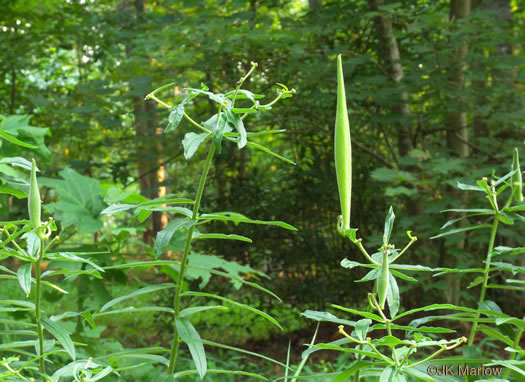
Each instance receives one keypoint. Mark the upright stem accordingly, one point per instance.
(485, 279)
(37, 308)
(513, 355)
(389, 330)
(357, 375)
(241, 81)
(187, 247)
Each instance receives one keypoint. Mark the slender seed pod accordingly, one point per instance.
(33, 199)
(383, 282)
(517, 182)
(343, 149)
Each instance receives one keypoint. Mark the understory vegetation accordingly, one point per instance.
(281, 190)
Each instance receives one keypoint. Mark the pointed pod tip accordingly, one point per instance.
(339, 62)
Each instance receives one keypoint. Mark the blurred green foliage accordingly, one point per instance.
(81, 69)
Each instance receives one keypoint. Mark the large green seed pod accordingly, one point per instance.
(343, 149)
(517, 182)
(383, 282)
(33, 199)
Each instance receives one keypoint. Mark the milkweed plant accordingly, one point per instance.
(386, 344)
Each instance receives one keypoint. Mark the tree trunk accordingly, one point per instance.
(391, 56)
(457, 132)
(13, 92)
(149, 148)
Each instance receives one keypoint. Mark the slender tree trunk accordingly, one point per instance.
(149, 146)
(13, 92)
(457, 132)
(480, 126)
(391, 57)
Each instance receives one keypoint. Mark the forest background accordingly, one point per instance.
(435, 92)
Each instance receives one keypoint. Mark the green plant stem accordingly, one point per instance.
(407, 354)
(357, 375)
(512, 357)
(21, 250)
(460, 341)
(389, 331)
(40, 330)
(303, 362)
(431, 356)
(159, 101)
(187, 247)
(281, 93)
(404, 250)
(190, 120)
(359, 244)
(485, 279)
(241, 81)
(386, 359)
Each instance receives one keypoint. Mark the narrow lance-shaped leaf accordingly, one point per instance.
(24, 277)
(60, 334)
(16, 141)
(163, 237)
(236, 121)
(138, 292)
(389, 222)
(270, 152)
(343, 149)
(462, 229)
(393, 296)
(175, 118)
(190, 336)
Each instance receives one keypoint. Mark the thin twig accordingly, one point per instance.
(154, 168)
